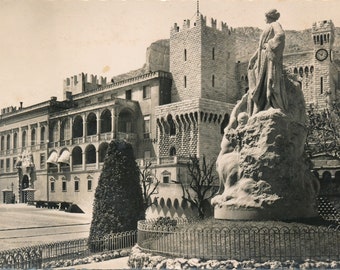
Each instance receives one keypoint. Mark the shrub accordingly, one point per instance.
(118, 202)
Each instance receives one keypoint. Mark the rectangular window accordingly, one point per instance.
(147, 154)
(64, 186)
(89, 185)
(128, 94)
(146, 127)
(100, 99)
(166, 179)
(185, 81)
(213, 54)
(146, 91)
(321, 85)
(76, 185)
(42, 161)
(52, 186)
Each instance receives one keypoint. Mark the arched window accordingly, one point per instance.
(311, 69)
(33, 137)
(306, 70)
(102, 151)
(301, 71)
(125, 122)
(91, 124)
(42, 135)
(24, 138)
(77, 156)
(8, 142)
(77, 127)
(321, 85)
(224, 123)
(90, 154)
(295, 71)
(106, 122)
(54, 132)
(15, 140)
(2, 146)
(65, 130)
(172, 151)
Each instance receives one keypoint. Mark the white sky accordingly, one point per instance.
(44, 41)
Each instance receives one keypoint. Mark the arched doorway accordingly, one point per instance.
(24, 184)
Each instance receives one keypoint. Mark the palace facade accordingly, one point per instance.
(177, 105)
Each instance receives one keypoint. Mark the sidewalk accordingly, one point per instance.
(119, 263)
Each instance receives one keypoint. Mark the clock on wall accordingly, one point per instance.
(321, 54)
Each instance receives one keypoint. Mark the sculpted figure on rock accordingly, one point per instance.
(266, 84)
(262, 167)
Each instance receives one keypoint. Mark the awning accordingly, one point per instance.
(53, 158)
(64, 157)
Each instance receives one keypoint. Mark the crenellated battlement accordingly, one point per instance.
(201, 21)
(321, 26)
(82, 83)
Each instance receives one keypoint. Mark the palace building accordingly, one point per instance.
(177, 105)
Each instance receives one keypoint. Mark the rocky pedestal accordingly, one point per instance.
(267, 175)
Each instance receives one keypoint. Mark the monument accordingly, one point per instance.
(262, 164)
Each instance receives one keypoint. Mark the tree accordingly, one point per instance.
(323, 132)
(200, 188)
(149, 184)
(118, 202)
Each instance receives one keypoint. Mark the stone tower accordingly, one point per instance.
(324, 83)
(202, 61)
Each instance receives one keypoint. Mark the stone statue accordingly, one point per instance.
(263, 169)
(266, 85)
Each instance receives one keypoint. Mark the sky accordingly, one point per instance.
(45, 41)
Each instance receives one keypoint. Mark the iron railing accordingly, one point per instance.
(259, 243)
(36, 256)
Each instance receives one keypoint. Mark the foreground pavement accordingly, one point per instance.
(119, 263)
(22, 225)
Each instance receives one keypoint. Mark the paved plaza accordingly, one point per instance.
(22, 225)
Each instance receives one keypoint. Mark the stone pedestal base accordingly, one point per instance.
(231, 213)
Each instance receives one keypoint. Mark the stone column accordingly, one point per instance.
(84, 127)
(114, 121)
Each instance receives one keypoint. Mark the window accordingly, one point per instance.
(172, 151)
(166, 179)
(24, 138)
(76, 185)
(1, 165)
(146, 127)
(15, 141)
(42, 161)
(8, 144)
(33, 137)
(8, 164)
(147, 154)
(52, 186)
(14, 162)
(185, 54)
(213, 54)
(321, 85)
(146, 92)
(2, 146)
(64, 186)
(128, 94)
(89, 184)
(213, 80)
(185, 81)
(42, 135)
